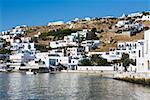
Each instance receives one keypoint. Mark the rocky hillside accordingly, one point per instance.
(106, 31)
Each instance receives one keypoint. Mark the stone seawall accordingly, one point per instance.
(138, 78)
(109, 74)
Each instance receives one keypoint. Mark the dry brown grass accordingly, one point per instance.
(109, 36)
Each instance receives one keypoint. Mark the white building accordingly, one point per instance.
(70, 40)
(147, 17)
(42, 56)
(22, 44)
(135, 14)
(122, 47)
(59, 43)
(23, 56)
(56, 23)
(143, 55)
(18, 30)
(127, 47)
(75, 52)
(73, 63)
(134, 27)
(139, 51)
(87, 18)
(111, 55)
(82, 34)
(23, 51)
(121, 23)
(62, 43)
(55, 60)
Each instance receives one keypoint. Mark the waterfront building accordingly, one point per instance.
(143, 55)
(131, 48)
(73, 63)
(56, 60)
(139, 51)
(42, 56)
(22, 56)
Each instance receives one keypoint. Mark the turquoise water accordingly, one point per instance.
(68, 86)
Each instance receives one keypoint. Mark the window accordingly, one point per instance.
(107, 53)
(117, 53)
(29, 46)
(139, 53)
(135, 46)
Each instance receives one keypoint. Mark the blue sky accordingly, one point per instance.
(40, 12)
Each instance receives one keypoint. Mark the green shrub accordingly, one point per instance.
(59, 34)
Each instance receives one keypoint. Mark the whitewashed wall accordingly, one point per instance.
(96, 68)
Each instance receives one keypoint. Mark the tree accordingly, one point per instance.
(59, 34)
(124, 56)
(125, 61)
(5, 51)
(91, 35)
(94, 30)
(80, 39)
(102, 62)
(85, 62)
(97, 60)
(42, 48)
(94, 60)
(116, 61)
(145, 13)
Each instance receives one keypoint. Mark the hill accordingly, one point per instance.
(105, 27)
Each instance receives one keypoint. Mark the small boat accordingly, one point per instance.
(3, 70)
(3, 67)
(30, 72)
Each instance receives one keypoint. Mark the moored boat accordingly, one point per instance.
(30, 72)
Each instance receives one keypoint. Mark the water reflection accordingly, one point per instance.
(68, 86)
